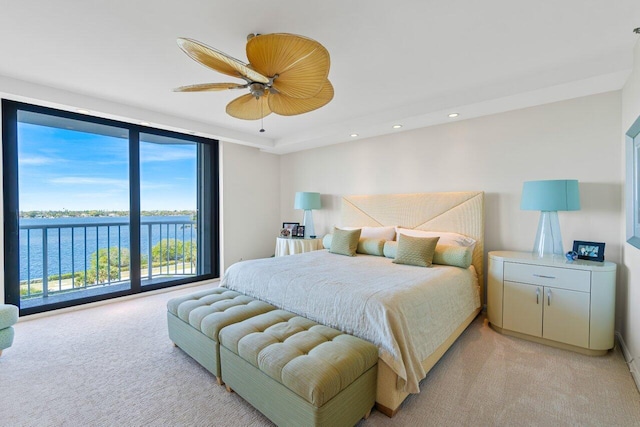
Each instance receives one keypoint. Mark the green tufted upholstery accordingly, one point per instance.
(211, 310)
(195, 321)
(8, 317)
(298, 372)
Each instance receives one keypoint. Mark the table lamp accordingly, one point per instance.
(549, 197)
(308, 202)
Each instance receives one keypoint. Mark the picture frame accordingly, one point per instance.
(288, 229)
(590, 251)
(298, 232)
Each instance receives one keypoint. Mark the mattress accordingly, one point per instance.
(406, 311)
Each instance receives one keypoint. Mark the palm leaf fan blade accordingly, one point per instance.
(219, 61)
(301, 64)
(208, 87)
(248, 107)
(287, 106)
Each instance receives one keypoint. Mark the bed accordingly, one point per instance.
(412, 314)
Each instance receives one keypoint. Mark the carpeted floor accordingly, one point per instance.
(114, 365)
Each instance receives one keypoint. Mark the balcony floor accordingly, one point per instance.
(90, 292)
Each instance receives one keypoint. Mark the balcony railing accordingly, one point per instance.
(83, 255)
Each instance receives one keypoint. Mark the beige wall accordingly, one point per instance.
(576, 139)
(629, 307)
(250, 203)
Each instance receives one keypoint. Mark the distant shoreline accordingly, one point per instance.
(101, 213)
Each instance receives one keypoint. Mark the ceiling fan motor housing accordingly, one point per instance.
(257, 89)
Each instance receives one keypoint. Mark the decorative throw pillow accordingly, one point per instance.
(385, 232)
(457, 256)
(326, 241)
(371, 247)
(416, 250)
(446, 238)
(345, 242)
(390, 249)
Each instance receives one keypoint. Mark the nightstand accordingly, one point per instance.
(291, 245)
(565, 304)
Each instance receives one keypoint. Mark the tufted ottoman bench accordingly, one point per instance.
(195, 321)
(297, 372)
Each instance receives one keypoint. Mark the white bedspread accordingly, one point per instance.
(406, 311)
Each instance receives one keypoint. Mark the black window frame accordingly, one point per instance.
(208, 204)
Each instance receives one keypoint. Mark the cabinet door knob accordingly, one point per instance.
(537, 295)
(548, 296)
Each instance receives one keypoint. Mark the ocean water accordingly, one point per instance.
(67, 239)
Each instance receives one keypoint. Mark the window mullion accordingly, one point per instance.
(134, 209)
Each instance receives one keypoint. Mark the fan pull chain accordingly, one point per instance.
(261, 116)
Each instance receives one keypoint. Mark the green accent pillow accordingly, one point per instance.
(345, 242)
(416, 250)
(371, 247)
(457, 256)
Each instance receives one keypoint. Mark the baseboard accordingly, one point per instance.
(634, 365)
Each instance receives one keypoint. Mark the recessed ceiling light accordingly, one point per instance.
(453, 115)
(353, 135)
(144, 123)
(83, 111)
(396, 126)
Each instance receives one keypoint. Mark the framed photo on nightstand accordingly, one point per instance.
(298, 231)
(288, 229)
(591, 251)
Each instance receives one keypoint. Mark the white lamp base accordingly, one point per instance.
(548, 238)
(307, 221)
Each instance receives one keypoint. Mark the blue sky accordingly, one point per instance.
(66, 169)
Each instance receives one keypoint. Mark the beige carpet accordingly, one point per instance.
(114, 365)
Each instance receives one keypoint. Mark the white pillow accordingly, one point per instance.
(378, 233)
(446, 238)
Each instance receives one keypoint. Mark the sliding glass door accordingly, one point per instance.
(169, 233)
(96, 208)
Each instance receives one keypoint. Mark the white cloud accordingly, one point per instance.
(83, 180)
(36, 160)
(149, 186)
(160, 153)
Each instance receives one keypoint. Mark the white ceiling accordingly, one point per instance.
(405, 61)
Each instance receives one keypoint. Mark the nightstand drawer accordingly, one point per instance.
(565, 278)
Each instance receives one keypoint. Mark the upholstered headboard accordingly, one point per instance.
(459, 212)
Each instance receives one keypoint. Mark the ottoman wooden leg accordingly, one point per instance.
(219, 379)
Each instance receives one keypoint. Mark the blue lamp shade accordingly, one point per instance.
(549, 197)
(307, 201)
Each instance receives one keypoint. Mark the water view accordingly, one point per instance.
(68, 237)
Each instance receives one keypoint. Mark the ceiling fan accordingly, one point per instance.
(286, 75)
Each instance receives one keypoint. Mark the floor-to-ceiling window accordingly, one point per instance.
(96, 208)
